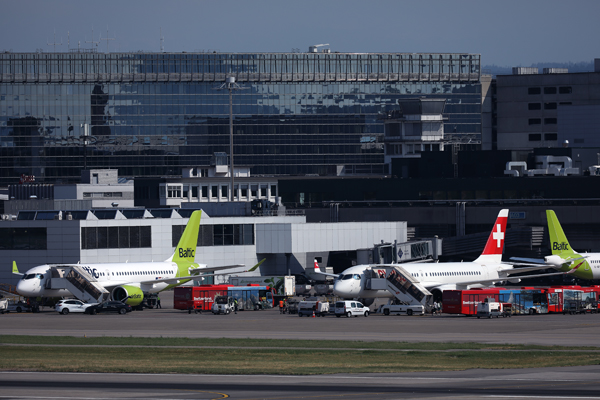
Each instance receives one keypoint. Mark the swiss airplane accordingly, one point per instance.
(486, 270)
(129, 282)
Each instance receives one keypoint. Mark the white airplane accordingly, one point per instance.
(129, 282)
(486, 270)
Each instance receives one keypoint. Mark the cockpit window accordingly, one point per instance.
(346, 277)
(31, 276)
(356, 277)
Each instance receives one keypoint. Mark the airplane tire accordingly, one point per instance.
(65, 311)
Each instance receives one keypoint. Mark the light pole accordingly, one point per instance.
(231, 86)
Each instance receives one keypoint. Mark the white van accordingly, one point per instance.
(350, 308)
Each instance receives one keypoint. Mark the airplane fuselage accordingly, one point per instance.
(351, 282)
(33, 282)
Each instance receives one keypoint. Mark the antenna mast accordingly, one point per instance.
(92, 41)
(107, 39)
(162, 41)
(55, 44)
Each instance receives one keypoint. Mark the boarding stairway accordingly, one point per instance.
(402, 285)
(78, 281)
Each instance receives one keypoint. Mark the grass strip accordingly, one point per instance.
(288, 361)
(269, 343)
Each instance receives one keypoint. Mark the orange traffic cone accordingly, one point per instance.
(313, 313)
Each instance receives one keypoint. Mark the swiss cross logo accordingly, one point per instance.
(498, 236)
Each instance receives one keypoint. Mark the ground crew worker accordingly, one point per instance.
(280, 306)
(235, 305)
(158, 302)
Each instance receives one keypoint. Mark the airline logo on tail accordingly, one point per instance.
(563, 246)
(492, 253)
(185, 252)
(317, 269)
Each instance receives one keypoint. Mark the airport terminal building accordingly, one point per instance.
(154, 114)
(287, 243)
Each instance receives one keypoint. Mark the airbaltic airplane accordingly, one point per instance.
(130, 281)
(564, 258)
(486, 270)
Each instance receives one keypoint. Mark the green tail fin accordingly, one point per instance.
(186, 248)
(559, 243)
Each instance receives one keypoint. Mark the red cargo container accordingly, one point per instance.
(197, 298)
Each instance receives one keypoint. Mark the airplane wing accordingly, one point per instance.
(531, 267)
(172, 281)
(213, 269)
(484, 281)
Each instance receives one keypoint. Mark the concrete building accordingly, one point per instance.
(545, 110)
(288, 243)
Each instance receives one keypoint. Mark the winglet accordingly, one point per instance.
(257, 265)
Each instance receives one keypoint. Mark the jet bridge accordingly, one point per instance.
(77, 281)
(401, 284)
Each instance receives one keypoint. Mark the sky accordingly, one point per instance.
(505, 33)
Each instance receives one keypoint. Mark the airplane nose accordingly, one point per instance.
(342, 289)
(24, 289)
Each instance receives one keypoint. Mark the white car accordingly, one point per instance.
(71, 305)
(350, 308)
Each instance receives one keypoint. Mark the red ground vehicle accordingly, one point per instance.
(465, 301)
(197, 298)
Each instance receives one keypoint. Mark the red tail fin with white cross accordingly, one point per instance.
(492, 253)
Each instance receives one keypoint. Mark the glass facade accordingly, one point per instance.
(152, 114)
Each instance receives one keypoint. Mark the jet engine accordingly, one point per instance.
(128, 294)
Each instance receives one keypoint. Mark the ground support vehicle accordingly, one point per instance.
(350, 308)
(252, 297)
(223, 305)
(292, 306)
(394, 307)
(108, 307)
(18, 306)
(491, 308)
(3, 305)
(312, 308)
(574, 307)
(197, 298)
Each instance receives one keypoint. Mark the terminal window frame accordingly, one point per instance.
(534, 90)
(23, 239)
(535, 137)
(218, 235)
(534, 106)
(116, 237)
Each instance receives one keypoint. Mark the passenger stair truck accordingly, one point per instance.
(405, 288)
(79, 282)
